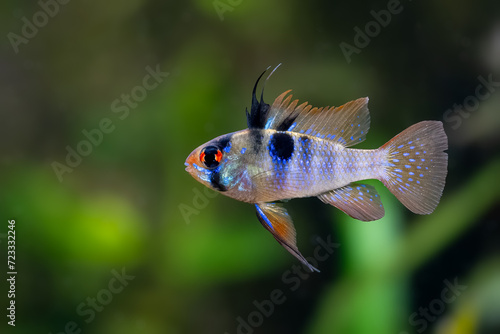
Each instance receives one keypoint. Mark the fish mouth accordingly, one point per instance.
(191, 159)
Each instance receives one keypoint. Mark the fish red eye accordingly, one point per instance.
(211, 156)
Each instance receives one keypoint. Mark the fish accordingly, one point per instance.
(292, 150)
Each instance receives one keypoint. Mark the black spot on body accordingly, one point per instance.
(216, 183)
(281, 146)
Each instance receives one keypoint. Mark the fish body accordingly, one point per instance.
(293, 151)
(292, 165)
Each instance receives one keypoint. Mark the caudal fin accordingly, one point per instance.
(416, 166)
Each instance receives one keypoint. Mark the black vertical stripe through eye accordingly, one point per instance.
(216, 182)
(224, 141)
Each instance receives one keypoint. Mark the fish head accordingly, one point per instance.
(203, 162)
(217, 164)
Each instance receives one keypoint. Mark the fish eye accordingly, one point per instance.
(211, 156)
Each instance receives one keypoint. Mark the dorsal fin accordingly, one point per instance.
(347, 124)
(257, 117)
(259, 112)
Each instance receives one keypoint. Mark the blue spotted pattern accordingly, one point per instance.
(412, 160)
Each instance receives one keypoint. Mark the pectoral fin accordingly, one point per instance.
(276, 220)
(360, 201)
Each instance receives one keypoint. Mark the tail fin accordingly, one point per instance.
(416, 166)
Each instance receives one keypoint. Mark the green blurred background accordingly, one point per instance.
(195, 262)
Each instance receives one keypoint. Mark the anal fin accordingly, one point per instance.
(276, 220)
(360, 201)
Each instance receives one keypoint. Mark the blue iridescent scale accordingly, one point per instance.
(317, 165)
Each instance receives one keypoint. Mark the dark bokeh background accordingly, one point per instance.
(201, 263)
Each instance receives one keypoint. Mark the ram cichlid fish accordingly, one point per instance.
(293, 150)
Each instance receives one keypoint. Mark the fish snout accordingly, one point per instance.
(191, 159)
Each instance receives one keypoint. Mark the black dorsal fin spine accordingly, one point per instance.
(257, 117)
